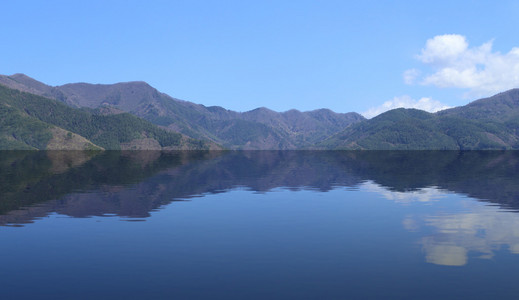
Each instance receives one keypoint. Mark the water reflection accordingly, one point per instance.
(426, 194)
(129, 179)
(477, 231)
(83, 184)
(483, 231)
(133, 184)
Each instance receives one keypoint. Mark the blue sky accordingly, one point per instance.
(343, 55)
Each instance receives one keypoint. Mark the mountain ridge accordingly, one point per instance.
(488, 123)
(29, 121)
(271, 130)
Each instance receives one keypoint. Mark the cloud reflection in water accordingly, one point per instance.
(480, 228)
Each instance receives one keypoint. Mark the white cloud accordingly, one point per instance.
(455, 64)
(405, 101)
(443, 48)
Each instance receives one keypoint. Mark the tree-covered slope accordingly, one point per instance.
(413, 129)
(501, 107)
(21, 131)
(29, 121)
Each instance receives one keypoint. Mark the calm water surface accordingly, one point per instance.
(259, 225)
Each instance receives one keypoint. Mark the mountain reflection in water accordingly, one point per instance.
(133, 184)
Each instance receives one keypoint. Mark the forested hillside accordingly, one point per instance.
(490, 123)
(29, 121)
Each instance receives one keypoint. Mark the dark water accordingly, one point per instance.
(259, 225)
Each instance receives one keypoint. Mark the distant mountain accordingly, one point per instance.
(29, 121)
(256, 129)
(490, 123)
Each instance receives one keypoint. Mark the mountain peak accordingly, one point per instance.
(502, 107)
(261, 109)
(20, 76)
(322, 110)
(24, 83)
(292, 111)
(138, 83)
(26, 80)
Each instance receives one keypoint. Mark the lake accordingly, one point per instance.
(259, 225)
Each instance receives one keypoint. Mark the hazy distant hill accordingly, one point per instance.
(490, 123)
(28, 121)
(256, 129)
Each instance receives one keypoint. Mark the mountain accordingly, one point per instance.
(490, 123)
(256, 129)
(29, 121)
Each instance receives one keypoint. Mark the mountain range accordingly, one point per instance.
(153, 120)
